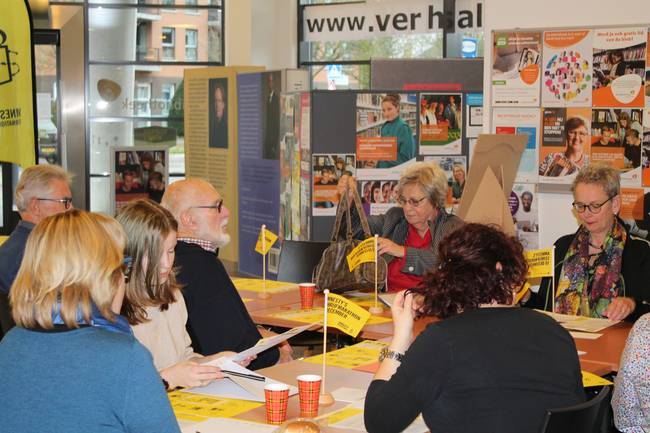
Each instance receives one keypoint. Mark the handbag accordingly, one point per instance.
(332, 272)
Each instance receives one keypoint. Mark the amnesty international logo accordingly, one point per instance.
(8, 68)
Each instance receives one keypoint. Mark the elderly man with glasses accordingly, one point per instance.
(601, 270)
(42, 190)
(217, 318)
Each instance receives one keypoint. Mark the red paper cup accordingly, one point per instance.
(307, 291)
(276, 396)
(308, 392)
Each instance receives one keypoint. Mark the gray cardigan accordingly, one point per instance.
(393, 225)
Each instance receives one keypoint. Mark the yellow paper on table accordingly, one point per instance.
(196, 407)
(340, 415)
(269, 238)
(256, 285)
(357, 355)
(315, 315)
(362, 253)
(540, 263)
(590, 379)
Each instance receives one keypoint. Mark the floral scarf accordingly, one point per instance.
(600, 282)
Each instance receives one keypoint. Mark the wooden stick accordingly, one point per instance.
(264, 258)
(553, 280)
(326, 292)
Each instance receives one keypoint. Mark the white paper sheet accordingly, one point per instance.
(580, 323)
(221, 425)
(585, 335)
(387, 298)
(349, 395)
(267, 343)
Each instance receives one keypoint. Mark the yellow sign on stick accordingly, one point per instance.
(362, 253)
(345, 315)
(269, 240)
(540, 263)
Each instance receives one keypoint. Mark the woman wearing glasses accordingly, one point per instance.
(574, 157)
(601, 270)
(409, 234)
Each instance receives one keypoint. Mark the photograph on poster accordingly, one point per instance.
(523, 207)
(443, 136)
(516, 69)
(139, 173)
(218, 112)
(455, 167)
(521, 121)
(567, 68)
(386, 125)
(271, 82)
(330, 175)
(377, 196)
(565, 143)
(619, 58)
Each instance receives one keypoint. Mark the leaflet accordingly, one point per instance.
(580, 323)
(267, 343)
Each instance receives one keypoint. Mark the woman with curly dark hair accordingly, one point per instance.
(487, 366)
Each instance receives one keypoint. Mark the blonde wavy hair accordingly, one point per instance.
(430, 177)
(72, 260)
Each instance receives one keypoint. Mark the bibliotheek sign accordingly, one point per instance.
(356, 21)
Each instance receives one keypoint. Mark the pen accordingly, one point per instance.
(244, 375)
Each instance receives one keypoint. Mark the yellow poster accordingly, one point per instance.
(357, 355)
(540, 263)
(345, 315)
(197, 407)
(362, 253)
(257, 285)
(17, 127)
(269, 240)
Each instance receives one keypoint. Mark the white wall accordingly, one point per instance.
(274, 33)
(555, 217)
(238, 24)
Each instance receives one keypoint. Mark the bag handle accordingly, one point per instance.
(344, 207)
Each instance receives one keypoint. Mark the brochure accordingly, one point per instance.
(521, 121)
(516, 69)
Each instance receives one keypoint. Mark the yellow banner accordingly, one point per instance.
(362, 253)
(540, 263)
(345, 315)
(522, 292)
(17, 132)
(269, 239)
(590, 379)
(316, 315)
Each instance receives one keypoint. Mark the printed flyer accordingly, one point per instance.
(330, 172)
(565, 143)
(619, 67)
(567, 72)
(455, 167)
(521, 121)
(516, 69)
(474, 117)
(523, 207)
(441, 125)
(616, 136)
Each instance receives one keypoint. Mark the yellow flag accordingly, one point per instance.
(522, 292)
(590, 379)
(540, 263)
(17, 127)
(362, 253)
(269, 238)
(345, 315)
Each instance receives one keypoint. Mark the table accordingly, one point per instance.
(604, 353)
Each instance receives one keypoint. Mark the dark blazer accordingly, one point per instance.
(635, 272)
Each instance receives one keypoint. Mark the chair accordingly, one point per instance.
(582, 418)
(298, 260)
(6, 321)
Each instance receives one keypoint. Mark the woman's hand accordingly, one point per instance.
(403, 311)
(386, 246)
(619, 308)
(189, 374)
(286, 352)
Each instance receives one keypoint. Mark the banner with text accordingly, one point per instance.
(345, 315)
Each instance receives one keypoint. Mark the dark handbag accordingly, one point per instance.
(332, 272)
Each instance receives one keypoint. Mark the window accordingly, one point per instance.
(168, 43)
(167, 90)
(191, 44)
(142, 99)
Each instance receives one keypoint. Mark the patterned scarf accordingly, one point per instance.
(598, 283)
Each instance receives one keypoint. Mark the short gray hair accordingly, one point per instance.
(430, 177)
(599, 174)
(36, 181)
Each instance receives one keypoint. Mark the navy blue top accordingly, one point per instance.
(11, 254)
(80, 381)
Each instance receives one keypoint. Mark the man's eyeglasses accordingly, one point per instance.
(593, 208)
(413, 202)
(216, 206)
(65, 201)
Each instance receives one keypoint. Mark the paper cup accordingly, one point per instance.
(308, 392)
(307, 291)
(276, 396)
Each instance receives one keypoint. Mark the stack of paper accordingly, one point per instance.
(580, 323)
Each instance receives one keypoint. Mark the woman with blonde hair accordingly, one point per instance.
(62, 373)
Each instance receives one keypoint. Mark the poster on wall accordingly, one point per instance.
(565, 143)
(567, 68)
(619, 57)
(441, 130)
(386, 124)
(516, 69)
(647, 71)
(329, 170)
(218, 112)
(304, 129)
(455, 167)
(645, 149)
(377, 196)
(138, 172)
(521, 121)
(474, 117)
(523, 207)
(616, 141)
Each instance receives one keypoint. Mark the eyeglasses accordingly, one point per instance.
(593, 208)
(412, 201)
(65, 201)
(216, 206)
(127, 266)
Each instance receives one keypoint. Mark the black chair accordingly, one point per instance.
(582, 418)
(6, 321)
(298, 260)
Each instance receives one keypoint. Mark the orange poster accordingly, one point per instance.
(376, 148)
(631, 203)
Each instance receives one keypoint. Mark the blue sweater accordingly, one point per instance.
(11, 254)
(80, 381)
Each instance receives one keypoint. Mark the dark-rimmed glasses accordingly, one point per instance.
(412, 201)
(216, 206)
(65, 201)
(593, 208)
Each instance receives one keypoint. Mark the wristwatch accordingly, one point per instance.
(390, 354)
